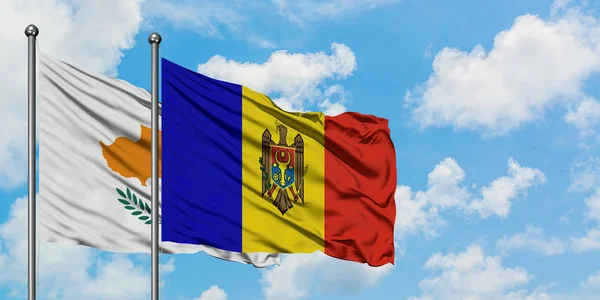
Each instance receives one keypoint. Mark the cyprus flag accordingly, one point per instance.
(94, 135)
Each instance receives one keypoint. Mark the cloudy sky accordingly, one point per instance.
(493, 108)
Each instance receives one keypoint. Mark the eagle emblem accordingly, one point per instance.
(283, 169)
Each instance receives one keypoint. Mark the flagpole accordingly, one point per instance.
(154, 39)
(31, 33)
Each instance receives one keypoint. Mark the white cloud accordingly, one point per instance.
(565, 217)
(209, 17)
(302, 11)
(593, 205)
(524, 295)
(204, 17)
(590, 242)
(496, 196)
(593, 282)
(71, 30)
(331, 109)
(443, 184)
(303, 274)
(168, 267)
(428, 51)
(213, 293)
(68, 272)
(261, 42)
(585, 175)
(117, 278)
(415, 214)
(472, 275)
(559, 6)
(513, 84)
(165, 269)
(532, 239)
(335, 98)
(214, 18)
(419, 211)
(297, 78)
(586, 116)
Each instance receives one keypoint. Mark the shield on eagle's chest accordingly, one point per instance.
(282, 169)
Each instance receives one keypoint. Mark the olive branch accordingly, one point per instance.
(132, 202)
(265, 175)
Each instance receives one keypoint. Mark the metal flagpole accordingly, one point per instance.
(31, 32)
(154, 40)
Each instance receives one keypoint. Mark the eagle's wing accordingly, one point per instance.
(299, 166)
(266, 156)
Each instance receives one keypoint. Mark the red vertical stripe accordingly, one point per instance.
(360, 182)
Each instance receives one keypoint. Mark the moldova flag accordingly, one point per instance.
(241, 174)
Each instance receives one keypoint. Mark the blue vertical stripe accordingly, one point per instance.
(201, 159)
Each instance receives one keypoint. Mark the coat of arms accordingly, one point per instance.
(283, 169)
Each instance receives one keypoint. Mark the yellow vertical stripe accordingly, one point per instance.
(265, 228)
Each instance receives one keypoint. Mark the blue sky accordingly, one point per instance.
(493, 110)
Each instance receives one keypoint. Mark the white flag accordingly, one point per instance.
(94, 165)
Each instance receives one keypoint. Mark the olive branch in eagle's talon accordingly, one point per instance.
(265, 175)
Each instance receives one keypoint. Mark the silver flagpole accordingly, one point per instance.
(154, 40)
(31, 32)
